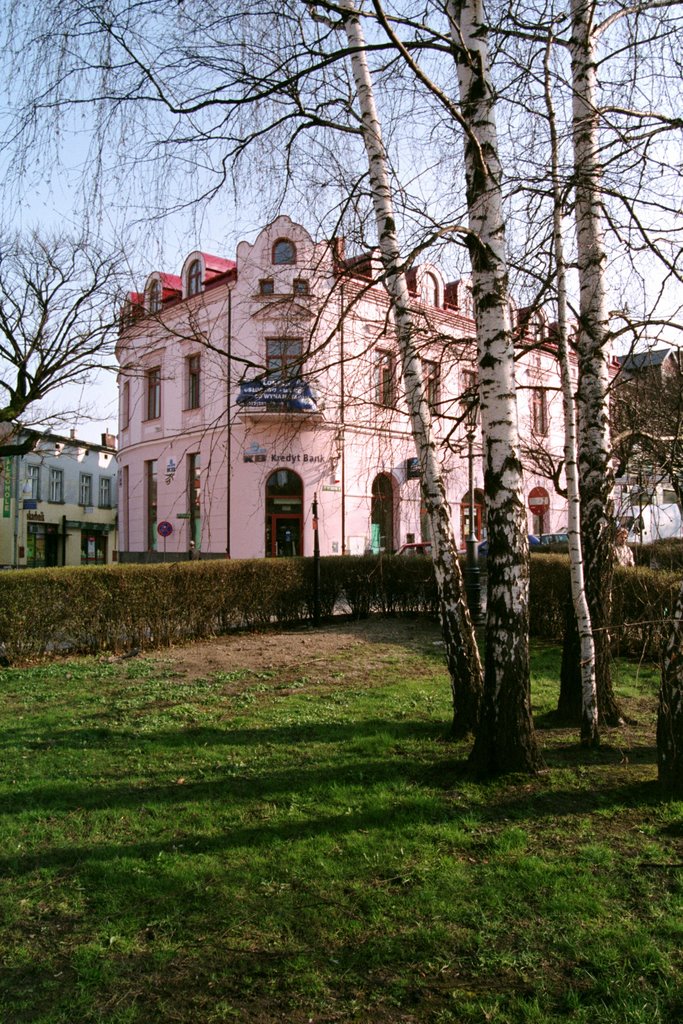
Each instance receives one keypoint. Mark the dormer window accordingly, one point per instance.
(430, 290)
(154, 297)
(284, 252)
(194, 278)
(267, 286)
(300, 286)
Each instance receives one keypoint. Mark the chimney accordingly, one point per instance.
(72, 433)
(109, 440)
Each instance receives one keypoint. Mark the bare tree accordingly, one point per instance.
(58, 323)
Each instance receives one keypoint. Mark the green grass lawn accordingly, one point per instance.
(260, 845)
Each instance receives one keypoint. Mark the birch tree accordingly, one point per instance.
(505, 740)
(589, 702)
(462, 653)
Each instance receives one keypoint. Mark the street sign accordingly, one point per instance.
(539, 500)
(164, 528)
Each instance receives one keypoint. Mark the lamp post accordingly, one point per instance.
(316, 562)
(472, 575)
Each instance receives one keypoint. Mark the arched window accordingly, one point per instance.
(430, 290)
(382, 515)
(194, 278)
(284, 514)
(154, 297)
(284, 251)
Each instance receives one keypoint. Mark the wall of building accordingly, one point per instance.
(47, 518)
(342, 442)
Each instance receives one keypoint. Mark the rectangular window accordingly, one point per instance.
(300, 286)
(154, 393)
(125, 404)
(283, 356)
(33, 480)
(193, 381)
(431, 377)
(539, 411)
(384, 378)
(151, 489)
(267, 286)
(105, 492)
(85, 490)
(57, 485)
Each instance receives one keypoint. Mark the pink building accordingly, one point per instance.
(249, 386)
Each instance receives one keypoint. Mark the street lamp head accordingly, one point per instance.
(469, 403)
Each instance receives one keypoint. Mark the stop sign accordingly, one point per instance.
(539, 500)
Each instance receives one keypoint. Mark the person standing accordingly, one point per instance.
(622, 552)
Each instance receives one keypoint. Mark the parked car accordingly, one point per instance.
(554, 538)
(411, 550)
(484, 546)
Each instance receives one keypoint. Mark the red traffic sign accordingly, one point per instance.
(538, 500)
(164, 528)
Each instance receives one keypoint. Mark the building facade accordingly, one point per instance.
(250, 386)
(59, 503)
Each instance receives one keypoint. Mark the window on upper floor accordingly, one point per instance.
(33, 481)
(539, 411)
(193, 364)
(267, 286)
(154, 297)
(153, 380)
(432, 381)
(125, 404)
(300, 286)
(284, 251)
(105, 492)
(430, 290)
(85, 490)
(194, 278)
(56, 485)
(283, 356)
(384, 378)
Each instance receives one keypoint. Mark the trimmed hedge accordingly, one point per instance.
(134, 607)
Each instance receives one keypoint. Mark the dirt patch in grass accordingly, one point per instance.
(319, 654)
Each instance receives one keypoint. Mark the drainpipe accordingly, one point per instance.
(63, 540)
(342, 413)
(229, 436)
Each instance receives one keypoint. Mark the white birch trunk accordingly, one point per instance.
(589, 704)
(505, 740)
(461, 648)
(595, 467)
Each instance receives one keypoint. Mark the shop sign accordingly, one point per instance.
(36, 517)
(254, 453)
(30, 503)
(295, 394)
(413, 469)
(7, 489)
(332, 487)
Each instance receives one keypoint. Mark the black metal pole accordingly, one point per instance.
(316, 562)
(472, 578)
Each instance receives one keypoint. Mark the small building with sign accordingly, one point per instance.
(249, 385)
(59, 502)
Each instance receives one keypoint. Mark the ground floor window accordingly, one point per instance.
(42, 545)
(93, 548)
(284, 514)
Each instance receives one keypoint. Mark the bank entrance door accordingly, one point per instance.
(284, 515)
(286, 536)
